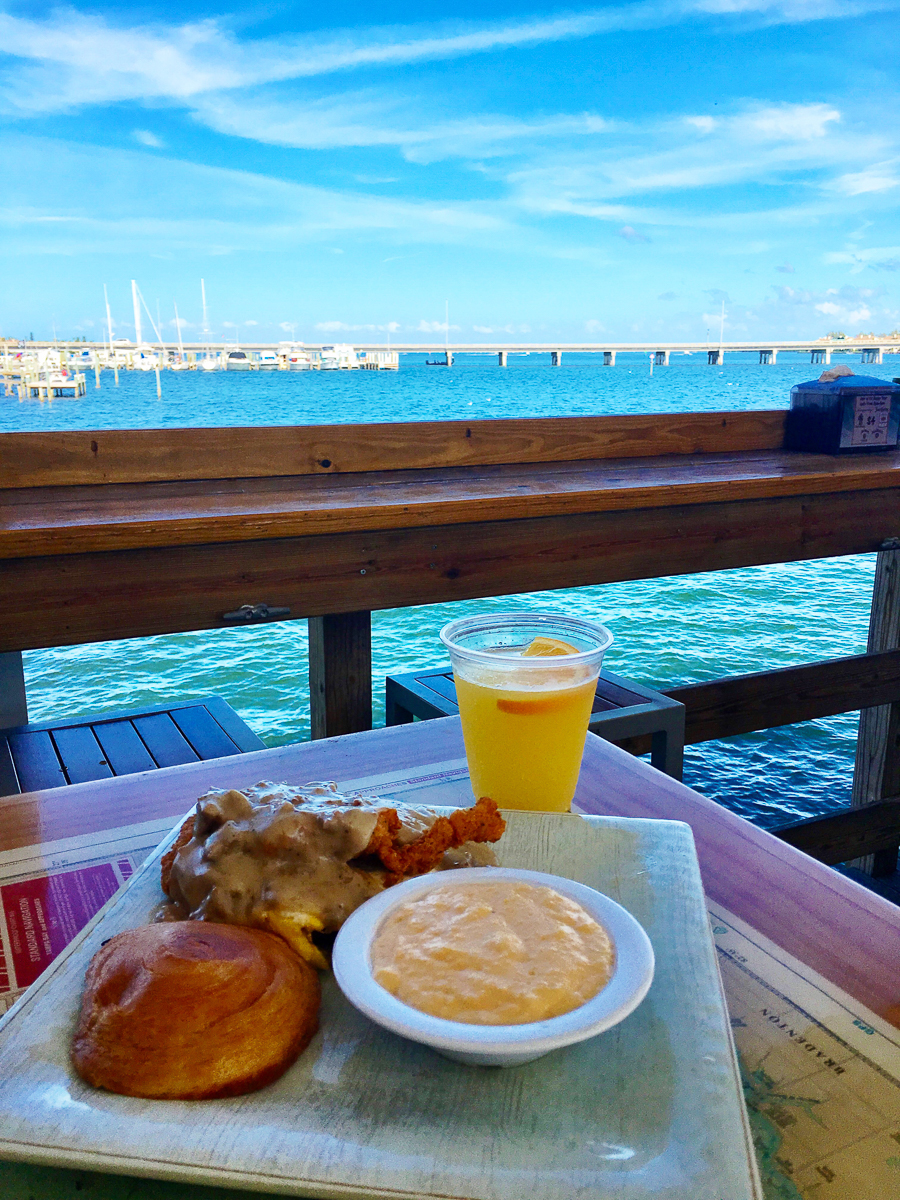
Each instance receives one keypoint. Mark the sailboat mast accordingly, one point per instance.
(138, 337)
(180, 342)
(108, 320)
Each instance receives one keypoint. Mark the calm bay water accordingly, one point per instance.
(668, 631)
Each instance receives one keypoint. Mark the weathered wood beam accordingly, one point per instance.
(840, 837)
(143, 455)
(748, 703)
(70, 599)
(877, 769)
(340, 674)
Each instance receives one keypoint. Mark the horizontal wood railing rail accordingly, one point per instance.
(841, 836)
(147, 455)
(749, 703)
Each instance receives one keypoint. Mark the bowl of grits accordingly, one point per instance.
(493, 966)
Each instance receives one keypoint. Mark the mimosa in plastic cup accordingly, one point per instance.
(525, 683)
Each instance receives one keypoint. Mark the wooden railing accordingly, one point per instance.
(750, 703)
(124, 533)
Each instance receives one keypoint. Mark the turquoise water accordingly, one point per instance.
(668, 631)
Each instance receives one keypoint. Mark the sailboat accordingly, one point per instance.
(448, 361)
(182, 364)
(208, 363)
(145, 358)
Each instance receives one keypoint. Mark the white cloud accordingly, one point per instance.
(124, 201)
(146, 138)
(704, 124)
(376, 119)
(343, 327)
(880, 178)
(785, 122)
(79, 58)
(434, 327)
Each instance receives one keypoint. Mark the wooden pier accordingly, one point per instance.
(118, 534)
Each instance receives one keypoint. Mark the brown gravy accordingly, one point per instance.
(276, 847)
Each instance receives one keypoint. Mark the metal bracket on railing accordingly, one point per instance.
(253, 614)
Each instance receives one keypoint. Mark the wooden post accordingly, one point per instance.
(13, 708)
(340, 673)
(877, 771)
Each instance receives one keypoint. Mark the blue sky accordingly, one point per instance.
(611, 172)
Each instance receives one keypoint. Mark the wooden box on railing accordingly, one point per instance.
(843, 413)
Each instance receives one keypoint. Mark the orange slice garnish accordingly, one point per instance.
(548, 647)
(536, 707)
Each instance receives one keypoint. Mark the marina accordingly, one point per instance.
(296, 566)
(297, 356)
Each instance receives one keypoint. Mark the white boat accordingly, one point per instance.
(268, 361)
(237, 360)
(340, 357)
(295, 357)
(209, 363)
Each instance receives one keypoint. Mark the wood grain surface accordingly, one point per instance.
(746, 703)
(143, 455)
(848, 934)
(69, 599)
(75, 520)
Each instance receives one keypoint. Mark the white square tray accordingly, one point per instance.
(652, 1108)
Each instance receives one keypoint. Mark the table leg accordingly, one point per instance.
(13, 708)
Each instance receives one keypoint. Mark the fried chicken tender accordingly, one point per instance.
(185, 833)
(481, 823)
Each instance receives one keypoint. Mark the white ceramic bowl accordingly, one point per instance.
(494, 1045)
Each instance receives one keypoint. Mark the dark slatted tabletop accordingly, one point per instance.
(56, 753)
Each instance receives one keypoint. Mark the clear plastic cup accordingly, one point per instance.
(525, 715)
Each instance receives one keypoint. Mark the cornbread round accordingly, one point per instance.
(192, 1010)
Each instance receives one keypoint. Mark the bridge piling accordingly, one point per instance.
(501, 357)
(609, 358)
(556, 358)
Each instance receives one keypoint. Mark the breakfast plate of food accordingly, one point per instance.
(196, 1032)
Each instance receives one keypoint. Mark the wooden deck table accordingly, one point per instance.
(845, 932)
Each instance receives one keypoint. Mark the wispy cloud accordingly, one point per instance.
(113, 200)
(81, 59)
(144, 137)
(374, 119)
(804, 144)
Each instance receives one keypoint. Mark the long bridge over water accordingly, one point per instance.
(820, 350)
(870, 350)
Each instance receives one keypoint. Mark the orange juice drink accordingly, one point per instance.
(525, 703)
